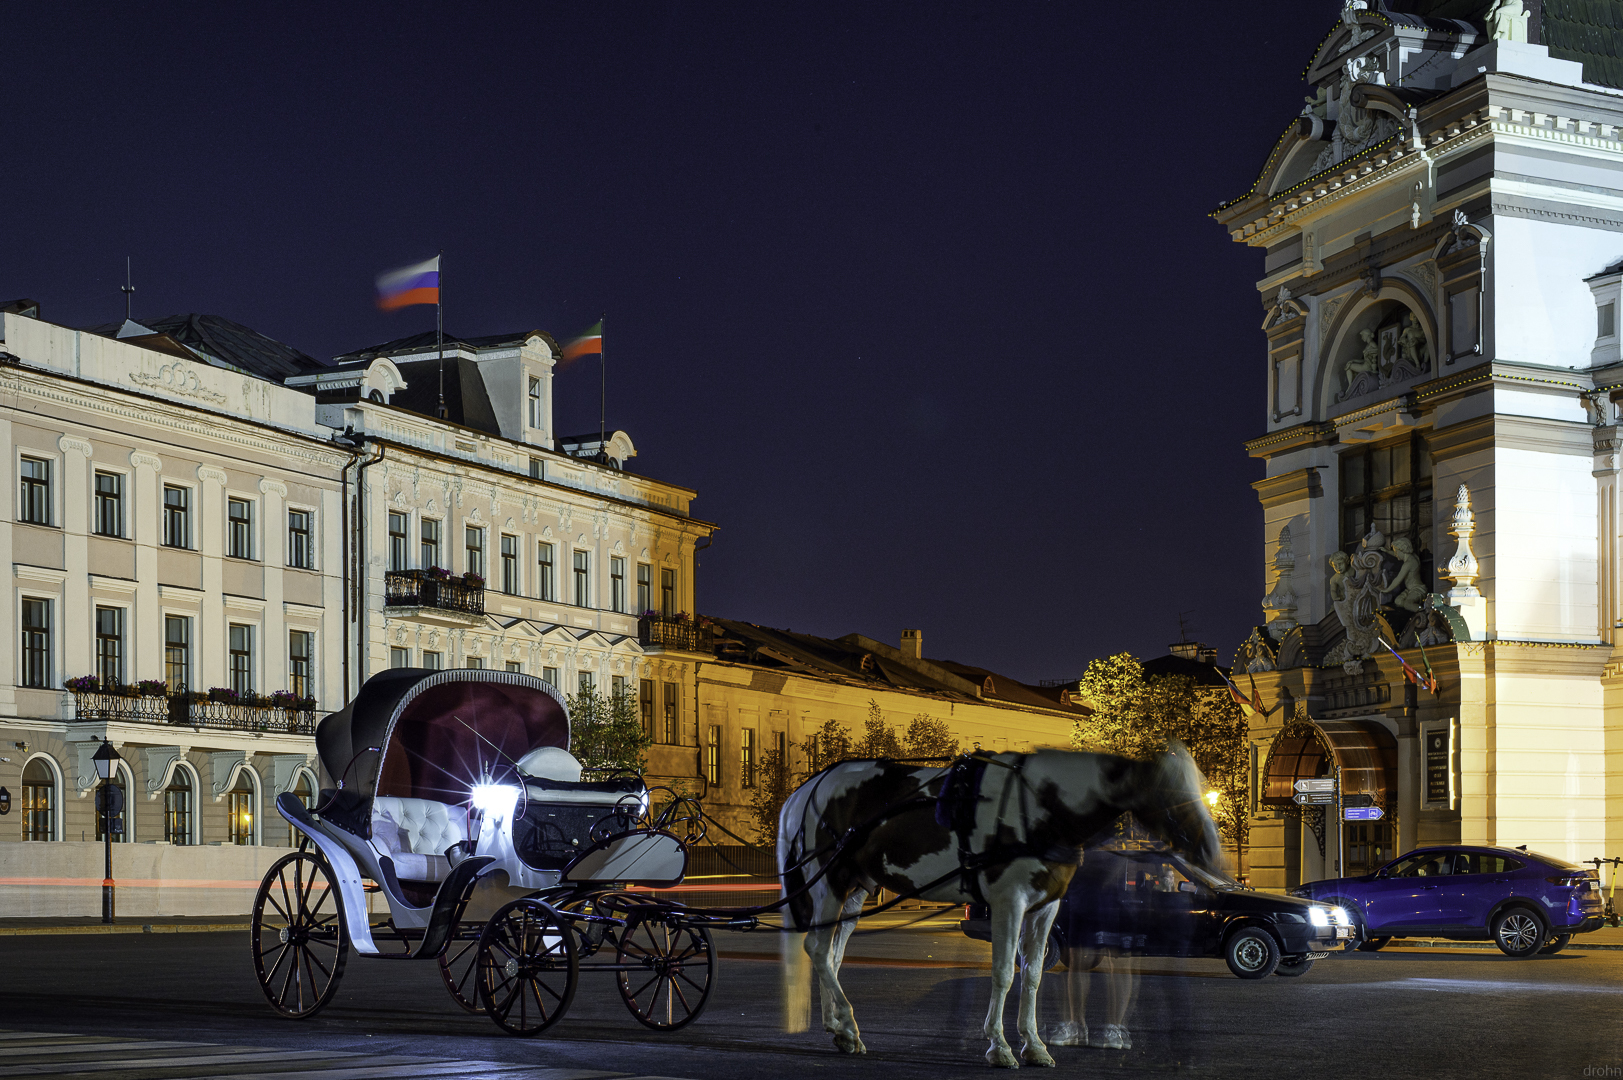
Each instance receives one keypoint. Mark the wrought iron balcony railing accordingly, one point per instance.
(189, 711)
(665, 632)
(419, 588)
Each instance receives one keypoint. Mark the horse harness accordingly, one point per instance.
(957, 808)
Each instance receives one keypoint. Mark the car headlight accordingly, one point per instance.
(1338, 915)
(1318, 916)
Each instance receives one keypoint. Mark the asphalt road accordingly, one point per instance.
(919, 994)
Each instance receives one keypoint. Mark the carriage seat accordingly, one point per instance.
(415, 834)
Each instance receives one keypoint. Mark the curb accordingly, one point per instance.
(122, 928)
(1488, 945)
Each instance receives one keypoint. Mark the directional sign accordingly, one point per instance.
(1314, 798)
(1328, 784)
(1363, 813)
(1358, 798)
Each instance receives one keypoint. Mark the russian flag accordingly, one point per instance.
(419, 284)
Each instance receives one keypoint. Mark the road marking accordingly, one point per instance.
(73, 1055)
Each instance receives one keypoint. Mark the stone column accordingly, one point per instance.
(77, 629)
(145, 523)
(210, 534)
(1475, 760)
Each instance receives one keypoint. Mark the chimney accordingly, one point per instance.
(913, 644)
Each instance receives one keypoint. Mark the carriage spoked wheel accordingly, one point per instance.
(678, 970)
(299, 939)
(527, 967)
(459, 968)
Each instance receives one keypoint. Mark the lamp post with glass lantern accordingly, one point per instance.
(107, 760)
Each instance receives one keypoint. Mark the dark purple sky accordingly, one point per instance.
(922, 299)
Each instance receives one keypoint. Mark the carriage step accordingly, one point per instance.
(48, 1054)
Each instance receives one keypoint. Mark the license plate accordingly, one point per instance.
(1342, 932)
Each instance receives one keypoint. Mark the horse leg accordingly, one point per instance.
(826, 946)
(1034, 954)
(1006, 919)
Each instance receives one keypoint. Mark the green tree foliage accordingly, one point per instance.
(926, 738)
(878, 738)
(1137, 716)
(606, 734)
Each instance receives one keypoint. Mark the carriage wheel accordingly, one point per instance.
(527, 967)
(679, 968)
(300, 944)
(459, 967)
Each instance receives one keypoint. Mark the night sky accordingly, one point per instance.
(922, 299)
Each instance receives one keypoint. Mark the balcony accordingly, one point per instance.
(422, 592)
(664, 632)
(194, 711)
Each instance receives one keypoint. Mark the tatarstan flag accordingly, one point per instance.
(589, 342)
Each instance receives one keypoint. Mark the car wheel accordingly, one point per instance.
(1374, 944)
(1252, 953)
(1555, 945)
(1292, 966)
(1054, 956)
(1519, 932)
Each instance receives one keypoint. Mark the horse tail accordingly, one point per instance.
(797, 913)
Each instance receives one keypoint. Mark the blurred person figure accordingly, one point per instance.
(1104, 929)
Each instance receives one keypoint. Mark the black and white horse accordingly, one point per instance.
(865, 825)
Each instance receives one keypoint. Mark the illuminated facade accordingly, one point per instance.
(1441, 233)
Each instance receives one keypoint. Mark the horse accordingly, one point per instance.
(1013, 835)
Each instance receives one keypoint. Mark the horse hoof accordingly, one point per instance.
(1033, 1054)
(849, 1044)
(1001, 1057)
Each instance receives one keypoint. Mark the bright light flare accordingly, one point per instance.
(1212, 798)
(1338, 915)
(1318, 916)
(497, 800)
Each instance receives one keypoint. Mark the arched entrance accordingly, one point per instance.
(1364, 754)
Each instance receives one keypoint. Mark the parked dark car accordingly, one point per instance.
(1177, 909)
(1524, 902)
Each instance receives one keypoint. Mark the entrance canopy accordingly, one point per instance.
(1363, 750)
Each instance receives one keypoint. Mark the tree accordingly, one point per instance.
(1137, 716)
(878, 739)
(773, 783)
(606, 733)
(928, 738)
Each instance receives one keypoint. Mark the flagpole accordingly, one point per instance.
(439, 327)
(603, 390)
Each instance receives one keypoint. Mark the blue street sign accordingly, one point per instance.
(1363, 813)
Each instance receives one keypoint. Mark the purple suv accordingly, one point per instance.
(1524, 902)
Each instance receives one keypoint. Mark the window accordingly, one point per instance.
(301, 648)
(110, 646)
(36, 643)
(1606, 321)
(510, 565)
(177, 807)
(398, 556)
(399, 658)
(645, 588)
(583, 580)
(535, 403)
(645, 703)
(538, 469)
(241, 648)
(586, 682)
(39, 801)
(241, 810)
(1389, 488)
(617, 583)
(667, 593)
(34, 506)
(549, 675)
(109, 504)
(515, 667)
(780, 743)
(433, 661)
(746, 757)
(429, 555)
(474, 663)
(617, 685)
(177, 652)
(301, 550)
(543, 572)
(305, 792)
(473, 547)
(673, 716)
(712, 757)
(177, 516)
(239, 521)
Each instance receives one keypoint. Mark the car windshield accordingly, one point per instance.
(1205, 877)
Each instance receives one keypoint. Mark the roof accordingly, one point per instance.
(1588, 31)
(428, 340)
(224, 343)
(854, 658)
(466, 401)
(1202, 673)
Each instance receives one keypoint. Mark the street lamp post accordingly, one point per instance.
(107, 760)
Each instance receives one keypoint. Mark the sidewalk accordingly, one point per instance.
(135, 925)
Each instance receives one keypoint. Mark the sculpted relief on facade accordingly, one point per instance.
(1393, 351)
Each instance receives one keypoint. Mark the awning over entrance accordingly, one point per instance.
(1364, 751)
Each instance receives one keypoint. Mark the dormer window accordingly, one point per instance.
(535, 402)
(1606, 320)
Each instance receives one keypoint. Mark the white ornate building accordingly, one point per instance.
(1441, 235)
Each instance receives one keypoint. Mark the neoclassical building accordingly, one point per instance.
(1440, 234)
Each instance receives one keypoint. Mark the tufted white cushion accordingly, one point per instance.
(415, 833)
